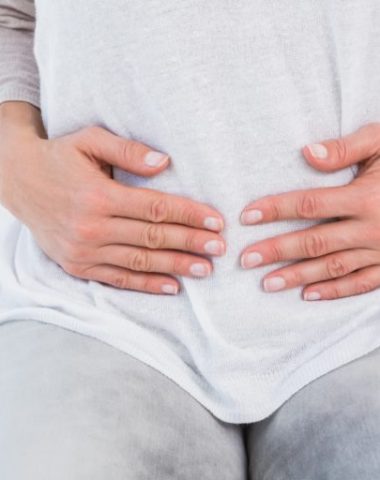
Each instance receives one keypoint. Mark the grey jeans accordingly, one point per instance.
(74, 408)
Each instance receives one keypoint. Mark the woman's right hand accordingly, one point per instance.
(94, 227)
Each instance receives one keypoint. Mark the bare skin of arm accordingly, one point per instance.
(94, 227)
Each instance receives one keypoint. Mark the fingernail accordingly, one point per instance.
(273, 284)
(251, 259)
(168, 288)
(251, 216)
(214, 246)
(318, 150)
(200, 269)
(312, 296)
(155, 159)
(213, 223)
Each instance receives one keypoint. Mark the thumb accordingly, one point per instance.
(127, 154)
(334, 154)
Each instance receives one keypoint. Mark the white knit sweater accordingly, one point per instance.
(231, 90)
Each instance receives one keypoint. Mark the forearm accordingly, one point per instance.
(21, 128)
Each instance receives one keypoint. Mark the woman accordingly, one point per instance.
(135, 139)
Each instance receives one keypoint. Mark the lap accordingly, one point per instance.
(329, 430)
(74, 407)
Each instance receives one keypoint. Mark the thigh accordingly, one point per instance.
(329, 430)
(72, 407)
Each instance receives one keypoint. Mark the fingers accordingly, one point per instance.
(334, 154)
(124, 153)
(162, 236)
(126, 279)
(155, 206)
(342, 201)
(312, 242)
(356, 283)
(161, 261)
(334, 265)
(140, 203)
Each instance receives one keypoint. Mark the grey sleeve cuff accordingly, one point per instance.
(20, 93)
(19, 78)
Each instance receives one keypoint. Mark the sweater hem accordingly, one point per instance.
(351, 347)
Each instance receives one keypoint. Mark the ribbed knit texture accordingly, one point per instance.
(231, 90)
(19, 75)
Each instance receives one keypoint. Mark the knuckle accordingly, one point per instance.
(71, 268)
(120, 280)
(87, 134)
(178, 264)
(140, 261)
(94, 199)
(154, 236)
(296, 277)
(130, 149)
(334, 292)
(92, 130)
(189, 242)
(276, 252)
(84, 231)
(275, 210)
(314, 245)
(336, 268)
(147, 284)
(126, 150)
(341, 149)
(307, 206)
(159, 210)
(188, 215)
(364, 285)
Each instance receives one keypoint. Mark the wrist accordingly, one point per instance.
(21, 137)
(21, 118)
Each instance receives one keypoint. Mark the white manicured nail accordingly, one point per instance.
(213, 223)
(318, 150)
(214, 246)
(312, 296)
(199, 269)
(168, 288)
(273, 284)
(251, 259)
(251, 216)
(155, 159)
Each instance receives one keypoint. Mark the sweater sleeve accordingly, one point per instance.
(19, 79)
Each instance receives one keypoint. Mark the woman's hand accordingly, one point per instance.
(344, 254)
(96, 228)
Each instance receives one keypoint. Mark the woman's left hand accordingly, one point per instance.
(343, 255)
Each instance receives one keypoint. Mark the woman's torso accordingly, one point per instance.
(231, 90)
